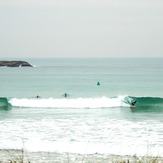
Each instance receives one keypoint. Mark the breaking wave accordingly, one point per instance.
(101, 102)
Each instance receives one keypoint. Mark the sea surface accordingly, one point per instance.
(92, 118)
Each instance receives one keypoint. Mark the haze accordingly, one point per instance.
(81, 28)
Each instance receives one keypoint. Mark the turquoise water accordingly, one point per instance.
(51, 78)
(92, 119)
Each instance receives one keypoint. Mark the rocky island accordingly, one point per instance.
(15, 64)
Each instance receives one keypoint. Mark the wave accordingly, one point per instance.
(149, 102)
(101, 102)
(4, 104)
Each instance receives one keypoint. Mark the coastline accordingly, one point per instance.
(54, 157)
(15, 64)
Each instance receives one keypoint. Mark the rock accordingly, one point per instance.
(15, 64)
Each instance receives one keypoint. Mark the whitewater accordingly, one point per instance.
(102, 102)
(93, 118)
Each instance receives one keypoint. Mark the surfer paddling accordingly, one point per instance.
(65, 95)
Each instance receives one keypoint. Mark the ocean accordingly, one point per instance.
(96, 116)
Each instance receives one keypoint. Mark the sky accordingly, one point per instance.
(81, 28)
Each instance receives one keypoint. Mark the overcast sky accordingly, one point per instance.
(81, 28)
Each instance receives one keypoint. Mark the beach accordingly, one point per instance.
(81, 81)
(52, 157)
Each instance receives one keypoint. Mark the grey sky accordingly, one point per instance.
(81, 28)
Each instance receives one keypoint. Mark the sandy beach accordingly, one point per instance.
(8, 156)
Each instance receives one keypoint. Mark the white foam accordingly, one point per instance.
(102, 102)
(85, 135)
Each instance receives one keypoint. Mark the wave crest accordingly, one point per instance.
(102, 102)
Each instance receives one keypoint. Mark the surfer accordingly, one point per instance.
(65, 95)
(98, 83)
(37, 96)
(133, 103)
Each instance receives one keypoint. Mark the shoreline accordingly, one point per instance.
(24, 156)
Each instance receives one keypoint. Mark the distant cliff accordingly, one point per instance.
(15, 64)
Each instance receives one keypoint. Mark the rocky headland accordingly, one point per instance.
(15, 64)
